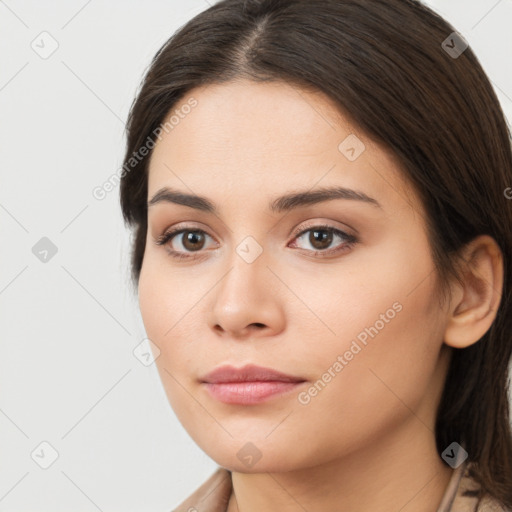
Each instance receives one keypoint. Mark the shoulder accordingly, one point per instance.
(489, 504)
(211, 496)
(469, 497)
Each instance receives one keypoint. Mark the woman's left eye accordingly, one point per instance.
(320, 238)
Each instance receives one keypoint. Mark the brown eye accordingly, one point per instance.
(321, 238)
(192, 240)
(183, 241)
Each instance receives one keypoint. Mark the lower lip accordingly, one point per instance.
(246, 393)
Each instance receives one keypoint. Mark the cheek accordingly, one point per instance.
(164, 296)
(160, 309)
(383, 358)
(380, 335)
(170, 304)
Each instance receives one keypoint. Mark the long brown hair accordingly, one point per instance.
(385, 63)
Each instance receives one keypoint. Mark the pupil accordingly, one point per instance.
(191, 238)
(323, 237)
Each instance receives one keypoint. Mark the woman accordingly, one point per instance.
(339, 336)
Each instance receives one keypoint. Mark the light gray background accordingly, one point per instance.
(67, 372)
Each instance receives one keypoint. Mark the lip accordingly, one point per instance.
(247, 373)
(250, 384)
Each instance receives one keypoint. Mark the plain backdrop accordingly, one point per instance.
(69, 319)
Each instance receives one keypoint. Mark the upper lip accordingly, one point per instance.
(248, 373)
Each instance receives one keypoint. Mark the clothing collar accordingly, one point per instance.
(461, 494)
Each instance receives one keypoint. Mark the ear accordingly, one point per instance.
(474, 305)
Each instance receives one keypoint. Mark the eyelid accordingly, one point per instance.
(175, 230)
(324, 224)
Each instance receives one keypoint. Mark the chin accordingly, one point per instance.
(258, 457)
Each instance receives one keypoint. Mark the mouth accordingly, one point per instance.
(248, 385)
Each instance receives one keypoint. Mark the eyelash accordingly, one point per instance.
(350, 240)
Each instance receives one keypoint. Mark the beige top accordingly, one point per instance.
(460, 495)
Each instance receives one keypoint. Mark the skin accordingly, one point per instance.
(366, 440)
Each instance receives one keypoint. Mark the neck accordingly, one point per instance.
(400, 470)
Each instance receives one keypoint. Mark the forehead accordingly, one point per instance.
(249, 138)
(246, 114)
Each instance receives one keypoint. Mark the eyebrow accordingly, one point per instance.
(280, 204)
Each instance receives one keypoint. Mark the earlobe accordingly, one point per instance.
(474, 305)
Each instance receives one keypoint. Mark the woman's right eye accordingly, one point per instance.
(190, 239)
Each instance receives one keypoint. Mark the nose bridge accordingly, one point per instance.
(244, 295)
(247, 274)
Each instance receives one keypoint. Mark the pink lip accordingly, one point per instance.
(248, 385)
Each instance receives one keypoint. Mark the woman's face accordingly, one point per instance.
(349, 309)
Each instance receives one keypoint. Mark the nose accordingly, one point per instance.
(247, 302)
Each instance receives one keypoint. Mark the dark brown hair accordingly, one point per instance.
(383, 63)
